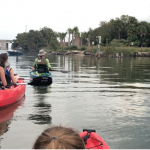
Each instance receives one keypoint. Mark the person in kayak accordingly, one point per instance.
(59, 138)
(41, 64)
(6, 73)
(16, 46)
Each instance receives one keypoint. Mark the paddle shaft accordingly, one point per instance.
(62, 71)
(19, 84)
(24, 79)
(22, 84)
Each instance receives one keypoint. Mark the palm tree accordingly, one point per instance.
(142, 31)
(78, 39)
(118, 26)
(76, 30)
(69, 32)
(72, 31)
(88, 37)
(82, 36)
(63, 38)
(59, 35)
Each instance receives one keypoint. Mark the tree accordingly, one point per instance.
(69, 32)
(81, 37)
(118, 25)
(35, 40)
(78, 39)
(142, 31)
(87, 37)
(72, 31)
(63, 38)
(59, 35)
(76, 30)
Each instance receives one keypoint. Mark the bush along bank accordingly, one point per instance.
(104, 51)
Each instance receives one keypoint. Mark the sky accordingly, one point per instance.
(60, 15)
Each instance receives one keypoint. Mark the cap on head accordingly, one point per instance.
(41, 52)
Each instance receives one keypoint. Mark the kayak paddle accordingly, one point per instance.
(19, 84)
(24, 79)
(62, 71)
(25, 67)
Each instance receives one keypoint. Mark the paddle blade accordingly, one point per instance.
(63, 71)
(25, 67)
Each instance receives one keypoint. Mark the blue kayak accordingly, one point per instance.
(14, 53)
(40, 78)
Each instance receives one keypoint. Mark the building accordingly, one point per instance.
(5, 44)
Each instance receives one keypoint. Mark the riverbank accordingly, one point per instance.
(107, 52)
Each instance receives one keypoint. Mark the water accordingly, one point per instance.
(106, 94)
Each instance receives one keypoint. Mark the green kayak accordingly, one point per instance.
(40, 78)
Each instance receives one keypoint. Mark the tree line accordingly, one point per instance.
(125, 30)
(35, 40)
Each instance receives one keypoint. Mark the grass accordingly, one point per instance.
(125, 50)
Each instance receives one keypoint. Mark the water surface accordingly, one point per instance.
(107, 94)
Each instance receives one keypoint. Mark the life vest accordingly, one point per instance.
(7, 72)
(8, 79)
(41, 65)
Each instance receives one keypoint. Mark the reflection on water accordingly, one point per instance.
(41, 108)
(107, 94)
(6, 116)
(16, 58)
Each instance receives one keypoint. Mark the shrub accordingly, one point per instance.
(73, 47)
(67, 48)
(118, 43)
(94, 50)
(109, 50)
(83, 48)
(137, 43)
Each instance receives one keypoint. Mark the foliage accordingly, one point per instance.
(119, 32)
(127, 28)
(73, 48)
(83, 48)
(94, 50)
(118, 43)
(127, 51)
(35, 40)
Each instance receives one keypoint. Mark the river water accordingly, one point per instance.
(107, 94)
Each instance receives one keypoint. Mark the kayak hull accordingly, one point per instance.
(94, 141)
(8, 113)
(41, 79)
(10, 96)
(12, 53)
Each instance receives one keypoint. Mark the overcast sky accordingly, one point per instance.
(60, 15)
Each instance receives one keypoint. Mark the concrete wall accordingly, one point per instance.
(4, 44)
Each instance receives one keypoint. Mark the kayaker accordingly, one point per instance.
(59, 138)
(6, 73)
(41, 64)
(16, 46)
